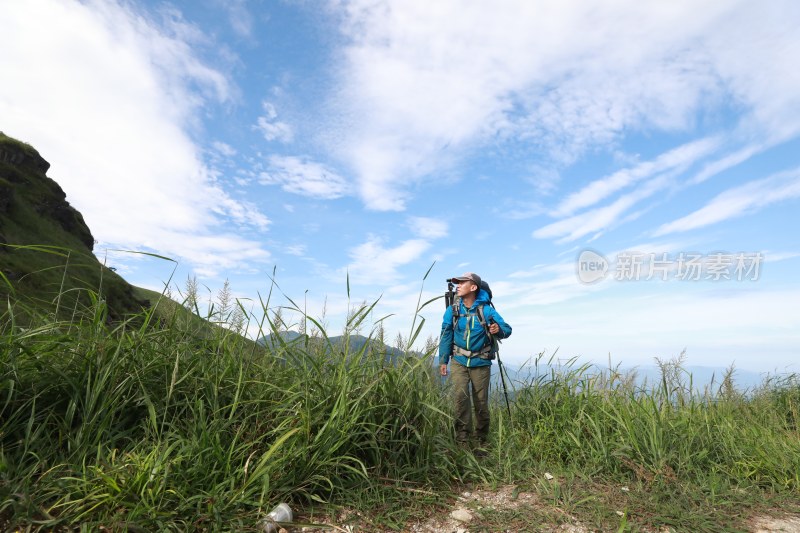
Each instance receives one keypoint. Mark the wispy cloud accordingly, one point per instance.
(373, 262)
(544, 284)
(518, 73)
(428, 228)
(272, 128)
(298, 250)
(730, 160)
(602, 218)
(240, 18)
(213, 255)
(302, 176)
(739, 201)
(224, 149)
(674, 161)
(139, 179)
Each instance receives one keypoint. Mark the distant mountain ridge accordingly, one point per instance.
(650, 375)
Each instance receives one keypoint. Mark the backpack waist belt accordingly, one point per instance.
(483, 353)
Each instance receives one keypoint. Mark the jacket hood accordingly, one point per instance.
(482, 298)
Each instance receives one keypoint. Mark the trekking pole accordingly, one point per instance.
(450, 295)
(500, 365)
(503, 380)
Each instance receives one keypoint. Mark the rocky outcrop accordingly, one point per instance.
(46, 248)
(22, 168)
(20, 154)
(57, 208)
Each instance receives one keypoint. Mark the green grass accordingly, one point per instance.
(19, 145)
(144, 425)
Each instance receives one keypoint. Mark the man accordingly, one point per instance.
(471, 350)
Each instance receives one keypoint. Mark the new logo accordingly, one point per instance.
(591, 267)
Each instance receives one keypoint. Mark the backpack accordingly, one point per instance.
(487, 352)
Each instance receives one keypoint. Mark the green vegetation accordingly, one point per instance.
(46, 255)
(23, 146)
(144, 425)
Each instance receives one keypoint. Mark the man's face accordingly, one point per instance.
(465, 287)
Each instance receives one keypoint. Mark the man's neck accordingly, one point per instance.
(469, 299)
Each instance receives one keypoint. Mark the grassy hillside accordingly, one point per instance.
(46, 255)
(153, 428)
(351, 344)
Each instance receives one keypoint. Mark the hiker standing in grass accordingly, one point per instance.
(470, 329)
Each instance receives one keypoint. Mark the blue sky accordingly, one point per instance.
(372, 138)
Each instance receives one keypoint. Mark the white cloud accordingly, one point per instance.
(302, 176)
(297, 249)
(372, 262)
(428, 228)
(108, 97)
(216, 254)
(271, 128)
(423, 83)
(739, 201)
(674, 161)
(601, 218)
(730, 160)
(774, 257)
(239, 16)
(241, 212)
(224, 148)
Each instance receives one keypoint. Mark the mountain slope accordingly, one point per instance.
(46, 247)
(355, 344)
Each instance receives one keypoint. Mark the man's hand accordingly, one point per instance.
(494, 329)
(443, 370)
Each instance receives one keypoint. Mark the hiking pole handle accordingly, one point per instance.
(493, 322)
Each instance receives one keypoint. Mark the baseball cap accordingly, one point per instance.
(469, 276)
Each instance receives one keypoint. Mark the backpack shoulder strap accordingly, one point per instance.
(494, 341)
(482, 320)
(456, 307)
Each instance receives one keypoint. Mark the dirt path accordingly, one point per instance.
(790, 524)
(463, 514)
(458, 521)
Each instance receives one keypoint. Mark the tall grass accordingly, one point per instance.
(601, 422)
(146, 425)
(155, 427)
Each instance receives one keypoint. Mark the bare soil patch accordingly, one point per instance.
(471, 509)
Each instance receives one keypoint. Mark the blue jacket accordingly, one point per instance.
(469, 334)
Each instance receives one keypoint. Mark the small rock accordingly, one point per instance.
(462, 515)
(548, 476)
(620, 513)
(625, 489)
(461, 530)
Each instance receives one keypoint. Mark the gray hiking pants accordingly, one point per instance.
(462, 377)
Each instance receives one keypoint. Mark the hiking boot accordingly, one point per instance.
(480, 453)
(481, 449)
